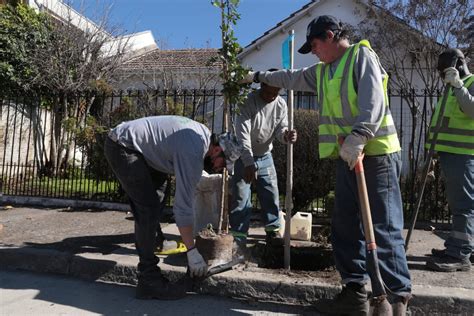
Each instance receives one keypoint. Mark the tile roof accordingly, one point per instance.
(174, 59)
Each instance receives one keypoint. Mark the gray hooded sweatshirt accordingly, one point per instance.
(258, 124)
(173, 145)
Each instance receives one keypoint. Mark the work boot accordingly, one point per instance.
(447, 263)
(399, 305)
(441, 252)
(156, 286)
(351, 300)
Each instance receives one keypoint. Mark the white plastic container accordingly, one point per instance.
(207, 201)
(301, 224)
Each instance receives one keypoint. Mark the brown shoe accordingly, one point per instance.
(351, 300)
(400, 305)
(156, 286)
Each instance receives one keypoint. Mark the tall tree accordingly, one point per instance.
(232, 73)
(69, 55)
(82, 56)
(408, 36)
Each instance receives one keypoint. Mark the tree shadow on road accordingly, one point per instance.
(104, 244)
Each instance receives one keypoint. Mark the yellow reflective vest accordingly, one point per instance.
(339, 110)
(456, 131)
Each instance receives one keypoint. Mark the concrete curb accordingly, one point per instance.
(53, 202)
(256, 285)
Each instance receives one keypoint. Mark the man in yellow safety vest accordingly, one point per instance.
(455, 147)
(351, 88)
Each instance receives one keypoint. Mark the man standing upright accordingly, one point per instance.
(261, 119)
(455, 147)
(351, 86)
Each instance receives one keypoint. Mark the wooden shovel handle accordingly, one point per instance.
(363, 200)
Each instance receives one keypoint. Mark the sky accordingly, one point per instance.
(179, 24)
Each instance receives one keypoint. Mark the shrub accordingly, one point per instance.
(312, 178)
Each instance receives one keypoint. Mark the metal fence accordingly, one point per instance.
(51, 146)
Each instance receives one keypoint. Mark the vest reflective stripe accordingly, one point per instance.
(327, 139)
(345, 102)
(444, 128)
(386, 122)
(454, 143)
(337, 99)
(456, 132)
(384, 130)
(320, 68)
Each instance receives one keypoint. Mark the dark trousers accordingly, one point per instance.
(145, 188)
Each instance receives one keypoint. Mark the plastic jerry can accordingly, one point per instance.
(301, 224)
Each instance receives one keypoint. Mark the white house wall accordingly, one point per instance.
(269, 54)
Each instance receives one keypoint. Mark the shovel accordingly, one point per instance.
(429, 160)
(191, 284)
(379, 301)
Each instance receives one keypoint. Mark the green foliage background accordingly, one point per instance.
(22, 33)
(313, 178)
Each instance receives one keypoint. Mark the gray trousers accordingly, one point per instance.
(145, 188)
(458, 171)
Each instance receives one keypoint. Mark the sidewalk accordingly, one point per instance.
(98, 245)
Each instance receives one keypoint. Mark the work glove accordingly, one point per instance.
(352, 148)
(197, 265)
(249, 78)
(250, 173)
(451, 76)
(290, 136)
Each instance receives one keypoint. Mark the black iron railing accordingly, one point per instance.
(51, 146)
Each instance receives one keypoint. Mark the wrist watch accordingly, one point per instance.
(255, 77)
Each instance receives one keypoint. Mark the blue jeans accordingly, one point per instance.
(145, 188)
(382, 174)
(458, 171)
(267, 193)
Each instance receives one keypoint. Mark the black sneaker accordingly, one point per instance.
(441, 252)
(438, 252)
(447, 263)
(351, 300)
(156, 286)
(273, 238)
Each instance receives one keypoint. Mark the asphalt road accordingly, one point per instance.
(24, 293)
